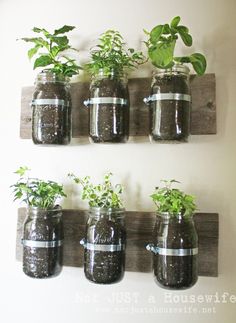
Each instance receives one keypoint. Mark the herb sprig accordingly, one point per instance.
(53, 55)
(103, 195)
(36, 192)
(172, 200)
(110, 55)
(161, 46)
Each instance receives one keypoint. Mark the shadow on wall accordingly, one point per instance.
(133, 199)
(216, 45)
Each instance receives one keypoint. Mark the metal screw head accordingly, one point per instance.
(82, 242)
(149, 247)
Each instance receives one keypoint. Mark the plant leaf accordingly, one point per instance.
(61, 41)
(33, 51)
(37, 41)
(184, 59)
(166, 29)
(32, 39)
(42, 61)
(183, 29)
(175, 21)
(63, 30)
(161, 55)
(186, 38)
(199, 63)
(156, 33)
(37, 30)
(21, 171)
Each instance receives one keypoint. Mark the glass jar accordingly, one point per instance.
(42, 242)
(104, 246)
(175, 248)
(51, 109)
(108, 108)
(170, 105)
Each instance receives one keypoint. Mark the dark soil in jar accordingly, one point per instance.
(43, 262)
(51, 124)
(104, 267)
(109, 122)
(176, 272)
(170, 119)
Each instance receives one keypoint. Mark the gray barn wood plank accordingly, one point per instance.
(139, 226)
(203, 117)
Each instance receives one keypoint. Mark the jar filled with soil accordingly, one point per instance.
(175, 248)
(170, 105)
(51, 110)
(108, 108)
(42, 242)
(104, 246)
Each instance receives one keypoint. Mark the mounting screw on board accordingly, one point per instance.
(86, 103)
(152, 248)
(83, 242)
(147, 100)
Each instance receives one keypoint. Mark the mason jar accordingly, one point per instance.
(108, 108)
(42, 242)
(170, 105)
(104, 246)
(51, 109)
(175, 251)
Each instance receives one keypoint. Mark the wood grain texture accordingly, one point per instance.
(139, 226)
(203, 117)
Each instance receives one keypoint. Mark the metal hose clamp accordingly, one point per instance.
(105, 100)
(41, 244)
(49, 102)
(167, 96)
(102, 247)
(172, 252)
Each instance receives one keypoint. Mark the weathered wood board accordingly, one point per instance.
(139, 226)
(203, 117)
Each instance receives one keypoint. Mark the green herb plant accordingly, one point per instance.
(173, 201)
(110, 55)
(103, 195)
(36, 192)
(50, 51)
(161, 46)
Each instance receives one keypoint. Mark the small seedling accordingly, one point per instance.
(110, 55)
(35, 192)
(50, 51)
(103, 195)
(161, 46)
(173, 201)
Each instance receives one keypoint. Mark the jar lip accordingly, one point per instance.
(176, 68)
(48, 76)
(35, 209)
(109, 210)
(109, 72)
(172, 215)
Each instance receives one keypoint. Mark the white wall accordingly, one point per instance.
(205, 166)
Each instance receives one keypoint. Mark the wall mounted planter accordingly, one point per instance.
(139, 228)
(108, 106)
(175, 251)
(104, 245)
(203, 115)
(170, 105)
(51, 110)
(42, 240)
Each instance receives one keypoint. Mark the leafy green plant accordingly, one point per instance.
(36, 192)
(103, 195)
(50, 49)
(110, 54)
(161, 46)
(172, 200)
